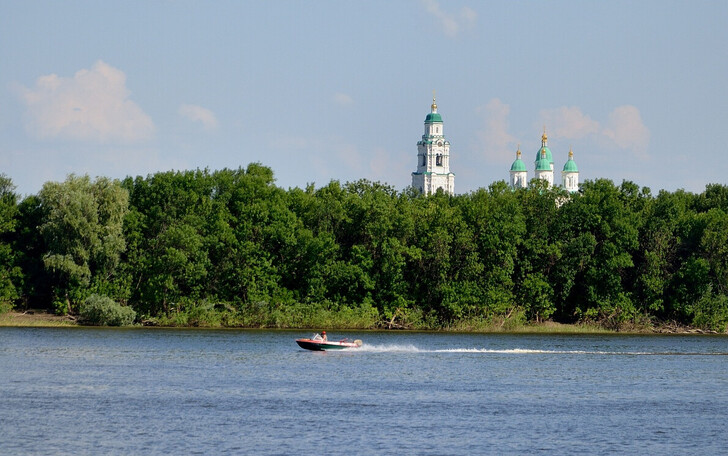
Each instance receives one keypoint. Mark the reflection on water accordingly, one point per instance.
(160, 391)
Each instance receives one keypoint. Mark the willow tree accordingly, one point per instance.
(82, 229)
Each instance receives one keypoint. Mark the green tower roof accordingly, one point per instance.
(433, 117)
(518, 164)
(549, 157)
(543, 164)
(544, 148)
(570, 166)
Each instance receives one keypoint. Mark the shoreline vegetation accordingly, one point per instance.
(43, 319)
(230, 248)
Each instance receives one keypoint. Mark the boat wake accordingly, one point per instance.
(522, 351)
(390, 349)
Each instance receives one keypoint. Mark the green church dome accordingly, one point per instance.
(570, 166)
(549, 157)
(544, 148)
(518, 164)
(433, 117)
(543, 164)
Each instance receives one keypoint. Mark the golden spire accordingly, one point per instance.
(544, 138)
(518, 152)
(571, 154)
(434, 105)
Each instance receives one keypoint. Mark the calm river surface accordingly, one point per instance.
(81, 391)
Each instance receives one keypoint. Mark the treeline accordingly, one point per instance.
(231, 248)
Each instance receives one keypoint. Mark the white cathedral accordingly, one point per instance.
(433, 162)
(545, 169)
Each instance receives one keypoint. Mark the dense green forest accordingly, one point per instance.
(231, 248)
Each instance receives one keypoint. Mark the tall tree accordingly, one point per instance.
(10, 273)
(82, 230)
(165, 228)
(607, 231)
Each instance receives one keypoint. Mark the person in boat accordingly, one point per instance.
(321, 337)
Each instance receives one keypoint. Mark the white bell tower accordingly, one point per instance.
(519, 175)
(570, 174)
(433, 157)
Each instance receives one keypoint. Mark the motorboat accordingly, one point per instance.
(318, 343)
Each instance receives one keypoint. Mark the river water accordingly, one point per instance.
(84, 391)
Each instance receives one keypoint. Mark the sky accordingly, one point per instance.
(339, 90)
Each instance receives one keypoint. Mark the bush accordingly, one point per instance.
(204, 314)
(711, 312)
(103, 311)
(5, 306)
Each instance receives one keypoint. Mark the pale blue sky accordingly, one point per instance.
(339, 89)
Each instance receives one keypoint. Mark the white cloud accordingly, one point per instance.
(199, 114)
(626, 129)
(93, 105)
(343, 99)
(451, 23)
(569, 122)
(623, 129)
(468, 17)
(498, 144)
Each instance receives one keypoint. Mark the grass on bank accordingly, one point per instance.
(365, 317)
(500, 325)
(327, 321)
(34, 319)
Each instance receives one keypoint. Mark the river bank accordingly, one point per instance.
(35, 318)
(40, 318)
